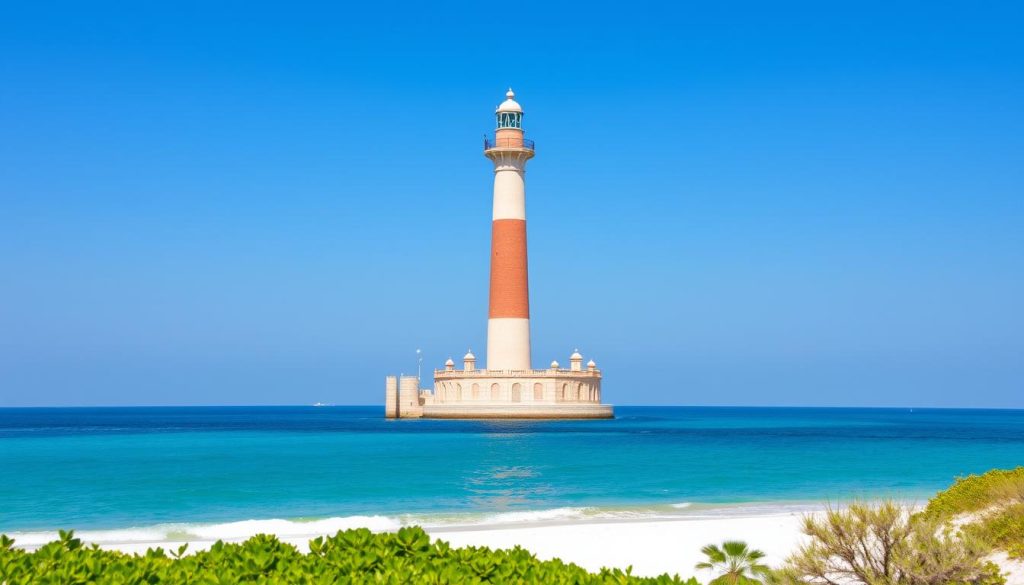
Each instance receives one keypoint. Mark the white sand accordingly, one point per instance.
(652, 548)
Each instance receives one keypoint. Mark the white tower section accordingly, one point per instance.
(508, 324)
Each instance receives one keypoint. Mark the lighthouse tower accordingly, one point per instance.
(507, 386)
(508, 323)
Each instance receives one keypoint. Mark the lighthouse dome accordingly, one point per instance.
(510, 104)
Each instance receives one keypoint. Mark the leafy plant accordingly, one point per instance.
(883, 544)
(352, 557)
(989, 507)
(975, 493)
(735, 563)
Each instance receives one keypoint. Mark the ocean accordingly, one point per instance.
(158, 473)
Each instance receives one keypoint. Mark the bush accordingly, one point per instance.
(975, 493)
(349, 557)
(994, 502)
(883, 545)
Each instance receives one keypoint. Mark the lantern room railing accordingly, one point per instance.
(507, 142)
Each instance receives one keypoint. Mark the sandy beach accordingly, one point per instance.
(650, 546)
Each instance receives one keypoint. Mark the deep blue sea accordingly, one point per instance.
(117, 468)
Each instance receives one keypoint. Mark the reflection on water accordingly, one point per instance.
(506, 488)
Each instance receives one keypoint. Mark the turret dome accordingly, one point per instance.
(591, 364)
(469, 355)
(576, 356)
(510, 104)
(449, 362)
(554, 364)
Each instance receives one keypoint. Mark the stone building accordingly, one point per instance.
(508, 387)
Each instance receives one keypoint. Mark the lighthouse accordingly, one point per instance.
(508, 386)
(508, 318)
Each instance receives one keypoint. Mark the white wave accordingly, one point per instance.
(290, 528)
(210, 532)
(536, 516)
(35, 539)
(682, 505)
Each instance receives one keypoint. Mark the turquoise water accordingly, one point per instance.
(106, 468)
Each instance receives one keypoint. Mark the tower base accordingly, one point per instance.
(502, 394)
(568, 411)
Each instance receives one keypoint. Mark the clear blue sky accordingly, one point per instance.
(733, 203)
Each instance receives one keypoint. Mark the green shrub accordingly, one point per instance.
(1002, 528)
(349, 557)
(996, 499)
(975, 493)
(881, 544)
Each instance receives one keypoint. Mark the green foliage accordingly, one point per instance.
(882, 544)
(735, 563)
(1002, 528)
(995, 502)
(349, 557)
(975, 493)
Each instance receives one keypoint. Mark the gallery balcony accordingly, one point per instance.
(518, 142)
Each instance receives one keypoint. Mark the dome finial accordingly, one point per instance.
(510, 105)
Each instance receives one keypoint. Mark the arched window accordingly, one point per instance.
(517, 393)
(538, 391)
(579, 392)
(458, 392)
(475, 391)
(564, 394)
(495, 392)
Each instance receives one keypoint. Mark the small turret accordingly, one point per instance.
(554, 364)
(591, 366)
(469, 361)
(449, 365)
(576, 361)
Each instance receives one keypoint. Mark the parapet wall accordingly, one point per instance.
(513, 387)
(552, 393)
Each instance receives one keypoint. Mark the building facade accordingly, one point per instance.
(508, 387)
